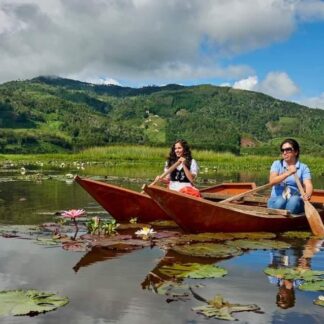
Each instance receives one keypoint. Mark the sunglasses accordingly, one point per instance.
(288, 150)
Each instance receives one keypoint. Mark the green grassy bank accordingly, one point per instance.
(146, 155)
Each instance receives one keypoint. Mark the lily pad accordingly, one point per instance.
(293, 273)
(204, 237)
(46, 241)
(317, 285)
(211, 250)
(125, 226)
(164, 223)
(221, 309)
(24, 231)
(29, 302)
(75, 246)
(253, 235)
(259, 244)
(297, 234)
(173, 290)
(193, 270)
(319, 301)
(165, 234)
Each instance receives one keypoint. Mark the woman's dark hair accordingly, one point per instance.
(285, 297)
(293, 143)
(186, 153)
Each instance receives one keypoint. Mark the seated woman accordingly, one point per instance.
(285, 193)
(182, 178)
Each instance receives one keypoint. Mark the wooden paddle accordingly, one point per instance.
(312, 215)
(165, 173)
(236, 197)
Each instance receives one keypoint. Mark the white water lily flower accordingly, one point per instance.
(321, 298)
(145, 231)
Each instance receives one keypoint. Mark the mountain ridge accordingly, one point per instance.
(53, 114)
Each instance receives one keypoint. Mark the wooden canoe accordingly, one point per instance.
(124, 204)
(196, 215)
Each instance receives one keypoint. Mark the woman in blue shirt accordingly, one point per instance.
(285, 193)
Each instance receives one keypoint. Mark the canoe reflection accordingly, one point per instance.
(172, 269)
(99, 254)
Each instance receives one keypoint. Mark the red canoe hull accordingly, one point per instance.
(124, 204)
(196, 215)
(121, 203)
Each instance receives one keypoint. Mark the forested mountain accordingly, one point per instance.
(51, 114)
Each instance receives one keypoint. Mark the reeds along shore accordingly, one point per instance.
(146, 155)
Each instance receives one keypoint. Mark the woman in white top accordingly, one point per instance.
(185, 174)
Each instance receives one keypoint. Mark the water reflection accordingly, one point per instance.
(116, 286)
(299, 261)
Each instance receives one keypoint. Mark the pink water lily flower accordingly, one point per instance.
(73, 213)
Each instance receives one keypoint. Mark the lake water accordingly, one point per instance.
(105, 287)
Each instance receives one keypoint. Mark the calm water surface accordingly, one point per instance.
(107, 288)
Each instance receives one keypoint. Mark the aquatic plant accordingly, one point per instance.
(211, 250)
(97, 226)
(29, 302)
(133, 220)
(109, 226)
(193, 270)
(259, 244)
(316, 285)
(294, 273)
(319, 301)
(145, 233)
(221, 309)
(73, 214)
(93, 225)
(297, 234)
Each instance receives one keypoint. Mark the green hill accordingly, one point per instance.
(50, 114)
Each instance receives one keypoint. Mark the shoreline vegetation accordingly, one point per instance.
(126, 154)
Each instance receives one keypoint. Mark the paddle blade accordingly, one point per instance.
(314, 219)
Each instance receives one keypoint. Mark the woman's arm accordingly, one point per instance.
(308, 186)
(276, 178)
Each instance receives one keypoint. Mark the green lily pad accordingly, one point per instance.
(297, 234)
(317, 285)
(221, 309)
(204, 237)
(293, 273)
(164, 223)
(211, 250)
(20, 230)
(47, 241)
(319, 301)
(253, 235)
(193, 270)
(29, 302)
(259, 244)
(172, 288)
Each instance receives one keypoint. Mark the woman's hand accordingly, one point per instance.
(306, 197)
(182, 159)
(292, 169)
(165, 180)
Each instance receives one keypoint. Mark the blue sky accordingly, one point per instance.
(271, 46)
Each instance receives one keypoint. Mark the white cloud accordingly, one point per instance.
(246, 84)
(142, 40)
(225, 84)
(314, 102)
(97, 80)
(310, 10)
(276, 84)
